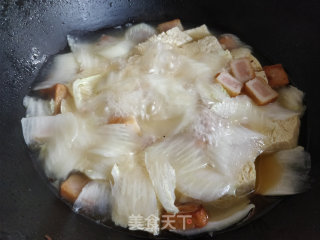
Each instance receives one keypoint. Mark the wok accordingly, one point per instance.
(286, 32)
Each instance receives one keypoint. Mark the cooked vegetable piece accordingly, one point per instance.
(64, 70)
(88, 60)
(190, 216)
(36, 107)
(260, 92)
(283, 173)
(72, 186)
(118, 48)
(232, 85)
(229, 41)
(277, 76)
(163, 27)
(94, 199)
(37, 130)
(132, 195)
(205, 184)
(116, 140)
(131, 121)
(140, 32)
(163, 178)
(291, 98)
(242, 69)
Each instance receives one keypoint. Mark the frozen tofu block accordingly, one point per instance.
(232, 85)
(260, 92)
(207, 44)
(242, 69)
(173, 37)
(277, 76)
(163, 27)
(198, 32)
(246, 179)
(283, 135)
(72, 186)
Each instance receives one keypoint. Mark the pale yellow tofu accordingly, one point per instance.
(209, 44)
(173, 37)
(198, 32)
(283, 135)
(246, 179)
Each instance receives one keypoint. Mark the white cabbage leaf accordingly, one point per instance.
(162, 176)
(132, 194)
(36, 107)
(37, 129)
(295, 166)
(291, 98)
(140, 32)
(114, 140)
(95, 199)
(243, 110)
(84, 88)
(64, 70)
(89, 61)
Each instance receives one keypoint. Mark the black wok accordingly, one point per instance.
(286, 32)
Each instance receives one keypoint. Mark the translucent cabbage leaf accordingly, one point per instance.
(295, 166)
(162, 176)
(132, 194)
(64, 70)
(95, 199)
(36, 107)
(140, 32)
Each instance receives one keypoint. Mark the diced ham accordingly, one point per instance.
(277, 76)
(229, 41)
(57, 92)
(232, 85)
(131, 120)
(241, 69)
(163, 27)
(260, 91)
(72, 186)
(190, 216)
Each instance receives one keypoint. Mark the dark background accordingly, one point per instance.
(285, 32)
